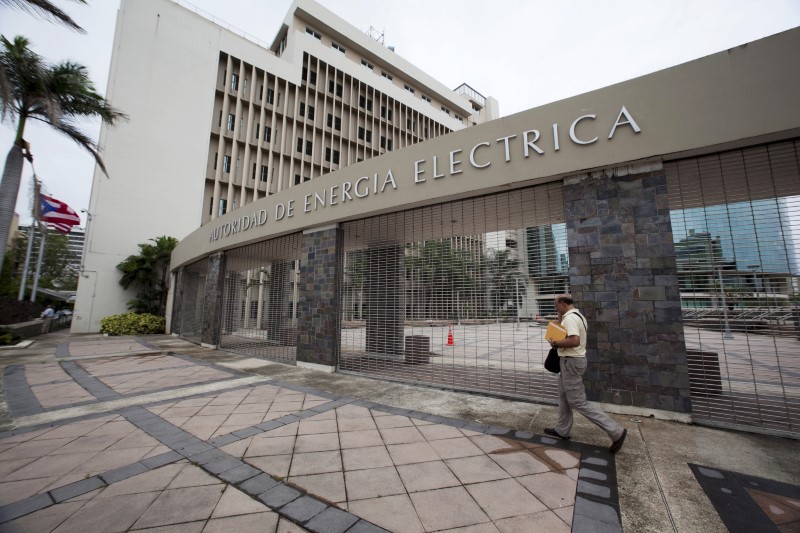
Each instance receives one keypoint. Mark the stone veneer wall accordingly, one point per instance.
(212, 300)
(318, 308)
(624, 279)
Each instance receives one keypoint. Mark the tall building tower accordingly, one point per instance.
(219, 120)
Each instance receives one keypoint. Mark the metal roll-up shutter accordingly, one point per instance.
(455, 295)
(736, 226)
(192, 294)
(259, 299)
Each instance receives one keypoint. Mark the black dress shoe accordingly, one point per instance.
(553, 433)
(618, 443)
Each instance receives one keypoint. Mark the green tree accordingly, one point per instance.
(149, 273)
(57, 95)
(503, 276)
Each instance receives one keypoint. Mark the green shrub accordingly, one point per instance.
(132, 324)
(9, 339)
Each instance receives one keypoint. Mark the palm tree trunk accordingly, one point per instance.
(9, 189)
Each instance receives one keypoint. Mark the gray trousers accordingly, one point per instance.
(572, 395)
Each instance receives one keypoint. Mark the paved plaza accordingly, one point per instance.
(158, 434)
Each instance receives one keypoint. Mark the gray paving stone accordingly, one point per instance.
(248, 432)
(584, 524)
(221, 465)
(596, 511)
(495, 430)
(474, 426)
(258, 484)
(278, 496)
(222, 440)
(588, 473)
(194, 449)
(240, 473)
(161, 459)
(209, 457)
(306, 414)
(23, 507)
(524, 435)
(303, 509)
(362, 526)
(593, 489)
(596, 461)
(270, 424)
(124, 472)
(76, 489)
(331, 520)
(288, 419)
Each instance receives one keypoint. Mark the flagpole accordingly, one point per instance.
(35, 209)
(24, 281)
(43, 232)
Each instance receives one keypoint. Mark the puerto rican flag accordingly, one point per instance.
(57, 215)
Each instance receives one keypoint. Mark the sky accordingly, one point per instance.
(565, 48)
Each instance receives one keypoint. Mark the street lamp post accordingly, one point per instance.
(727, 334)
(516, 286)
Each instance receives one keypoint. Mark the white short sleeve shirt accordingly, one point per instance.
(573, 323)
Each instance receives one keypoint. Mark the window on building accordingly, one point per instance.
(365, 102)
(223, 205)
(313, 33)
(335, 87)
(302, 109)
(386, 75)
(226, 164)
(309, 147)
(409, 88)
(253, 174)
(383, 141)
(458, 118)
(411, 124)
(211, 206)
(311, 112)
(338, 47)
(270, 96)
(310, 77)
(386, 113)
(231, 121)
(386, 143)
(258, 129)
(334, 122)
(332, 155)
(216, 156)
(364, 134)
(261, 92)
(244, 86)
(367, 64)
(267, 134)
(447, 111)
(234, 82)
(297, 179)
(263, 173)
(299, 144)
(220, 119)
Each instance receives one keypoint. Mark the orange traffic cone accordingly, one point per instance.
(450, 336)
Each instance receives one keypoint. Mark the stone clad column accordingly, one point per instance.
(624, 279)
(318, 307)
(177, 301)
(212, 300)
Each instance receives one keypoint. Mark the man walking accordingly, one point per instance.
(571, 392)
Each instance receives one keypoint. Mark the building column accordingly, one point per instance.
(212, 300)
(624, 279)
(318, 304)
(384, 303)
(177, 301)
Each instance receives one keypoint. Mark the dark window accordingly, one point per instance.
(234, 81)
(263, 173)
(258, 129)
(267, 133)
(226, 163)
(332, 155)
(311, 112)
(270, 96)
(299, 144)
(216, 156)
(297, 179)
(253, 175)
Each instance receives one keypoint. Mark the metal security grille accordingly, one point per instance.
(736, 227)
(259, 299)
(456, 295)
(192, 293)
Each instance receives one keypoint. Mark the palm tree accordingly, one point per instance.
(45, 9)
(149, 271)
(54, 94)
(41, 8)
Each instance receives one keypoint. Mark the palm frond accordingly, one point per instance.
(46, 10)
